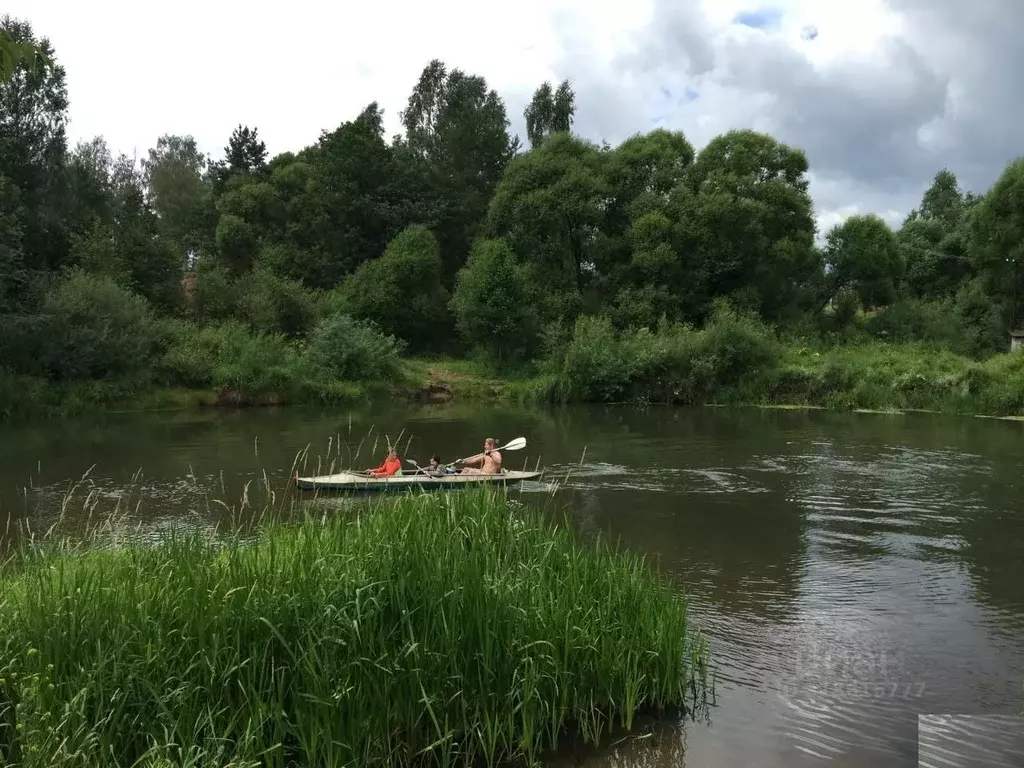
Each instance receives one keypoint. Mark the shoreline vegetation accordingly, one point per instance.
(433, 629)
(734, 361)
(456, 261)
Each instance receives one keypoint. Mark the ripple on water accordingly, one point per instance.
(657, 479)
(984, 741)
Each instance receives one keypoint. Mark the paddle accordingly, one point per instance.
(512, 445)
(416, 464)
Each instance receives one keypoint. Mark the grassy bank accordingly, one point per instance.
(736, 361)
(453, 629)
(733, 360)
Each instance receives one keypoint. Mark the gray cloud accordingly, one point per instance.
(947, 92)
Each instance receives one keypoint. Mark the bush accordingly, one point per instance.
(230, 357)
(344, 348)
(671, 363)
(94, 328)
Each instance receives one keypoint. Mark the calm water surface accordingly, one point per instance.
(851, 571)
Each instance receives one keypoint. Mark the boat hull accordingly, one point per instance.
(350, 481)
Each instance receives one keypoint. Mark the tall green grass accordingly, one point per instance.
(428, 630)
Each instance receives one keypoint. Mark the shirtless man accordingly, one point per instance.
(486, 463)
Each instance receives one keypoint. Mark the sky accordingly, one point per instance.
(881, 94)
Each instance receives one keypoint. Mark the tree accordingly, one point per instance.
(644, 174)
(401, 292)
(749, 222)
(14, 53)
(244, 155)
(459, 129)
(942, 201)
(549, 207)
(493, 303)
(934, 241)
(33, 152)
(179, 195)
(127, 248)
(549, 112)
(997, 229)
(861, 255)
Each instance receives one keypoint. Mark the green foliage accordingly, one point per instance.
(748, 220)
(457, 128)
(236, 243)
(997, 227)
(15, 54)
(180, 195)
(549, 112)
(272, 304)
(401, 292)
(494, 304)
(94, 328)
(230, 357)
(861, 255)
(648, 234)
(216, 293)
(547, 207)
(671, 363)
(237, 652)
(348, 349)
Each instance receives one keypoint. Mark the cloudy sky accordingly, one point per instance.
(880, 93)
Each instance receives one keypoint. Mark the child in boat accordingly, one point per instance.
(437, 469)
(392, 465)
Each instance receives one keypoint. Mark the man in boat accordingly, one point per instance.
(392, 464)
(486, 463)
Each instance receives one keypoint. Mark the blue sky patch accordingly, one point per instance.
(763, 18)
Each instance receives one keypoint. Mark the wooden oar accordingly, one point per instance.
(512, 445)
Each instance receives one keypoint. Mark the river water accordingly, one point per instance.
(851, 571)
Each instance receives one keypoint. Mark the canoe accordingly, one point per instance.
(351, 481)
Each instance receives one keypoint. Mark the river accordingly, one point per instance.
(851, 571)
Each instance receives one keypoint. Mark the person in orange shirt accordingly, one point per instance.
(390, 466)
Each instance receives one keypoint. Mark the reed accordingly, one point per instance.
(435, 629)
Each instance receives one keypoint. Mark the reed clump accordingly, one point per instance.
(433, 630)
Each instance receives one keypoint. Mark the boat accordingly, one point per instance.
(355, 481)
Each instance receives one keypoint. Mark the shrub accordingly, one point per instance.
(672, 362)
(230, 357)
(344, 348)
(94, 328)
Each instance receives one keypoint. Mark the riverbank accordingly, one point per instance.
(871, 376)
(337, 641)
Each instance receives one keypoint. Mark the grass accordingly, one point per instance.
(431, 629)
(472, 380)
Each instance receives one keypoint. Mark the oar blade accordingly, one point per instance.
(515, 445)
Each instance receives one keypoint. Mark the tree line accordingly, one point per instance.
(454, 237)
